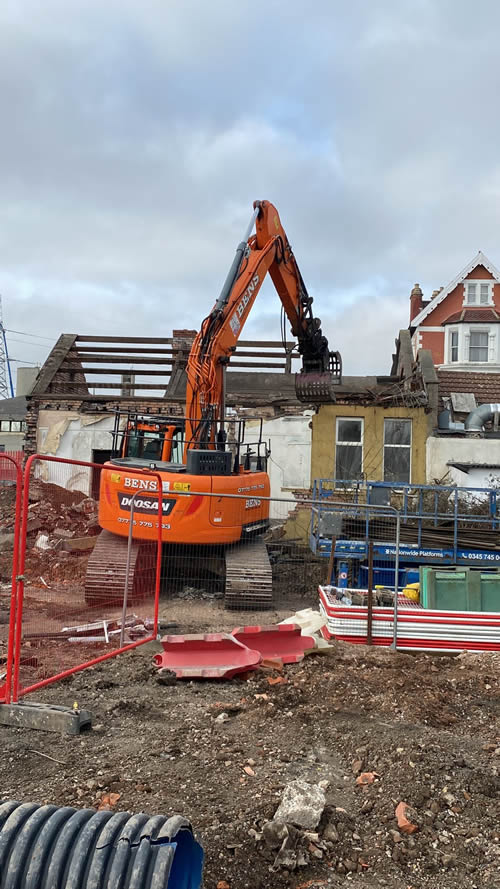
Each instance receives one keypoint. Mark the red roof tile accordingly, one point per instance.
(485, 386)
(473, 315)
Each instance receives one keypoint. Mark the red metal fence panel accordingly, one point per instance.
(10, 460)
(66, 622)
(10, 520)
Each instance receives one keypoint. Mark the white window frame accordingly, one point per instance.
(478, 281)
(464, 331)
(407, 446)
(356, 444)
(474, 329)
(451, 331)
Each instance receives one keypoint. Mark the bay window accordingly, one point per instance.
(471, 343)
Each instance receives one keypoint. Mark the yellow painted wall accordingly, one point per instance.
(324, 430)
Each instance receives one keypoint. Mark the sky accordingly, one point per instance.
(136, 135)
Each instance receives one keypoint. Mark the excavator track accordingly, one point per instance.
(105, 580)
(249, 582)
(249, 579)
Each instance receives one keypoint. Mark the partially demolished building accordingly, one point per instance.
(86, 379)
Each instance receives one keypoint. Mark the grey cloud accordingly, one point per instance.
(136, 136)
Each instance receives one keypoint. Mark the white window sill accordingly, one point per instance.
(492, 366)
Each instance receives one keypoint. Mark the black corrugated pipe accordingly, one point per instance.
(47, 847)
(475, 421)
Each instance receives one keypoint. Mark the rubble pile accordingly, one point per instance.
(7, 517)
(62, 528)
(7, 506)
(61, 525)
(52, 510)
(59, 520)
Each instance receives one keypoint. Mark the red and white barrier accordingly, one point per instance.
(419, 629)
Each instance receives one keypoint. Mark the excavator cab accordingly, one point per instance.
(145, 441)
(155, 442)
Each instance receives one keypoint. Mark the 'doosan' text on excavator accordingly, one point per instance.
(207, 453)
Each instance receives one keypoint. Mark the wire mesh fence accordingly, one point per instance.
(362, 597)
(10, 515)
(9, 461)
(100, 544)
(243, 551)
(76, 602)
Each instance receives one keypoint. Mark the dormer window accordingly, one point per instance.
(478, 293)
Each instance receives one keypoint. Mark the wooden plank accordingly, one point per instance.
(131, 386)
(259, 354)
(118, 371)
(256, 365)
(165, 340)
(53, 364)
(267, 344)
(102, 398)
(115, 359)
(133, 350)
(161, 340)
(97, 354)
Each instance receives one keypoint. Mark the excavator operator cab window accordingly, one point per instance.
(177, 452)
(153, 445)
(147, 445)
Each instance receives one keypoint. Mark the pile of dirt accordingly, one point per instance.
(8, 495)
(50, 507)
(371, 728)
(7, 520)
(56, 517)
(54, 509)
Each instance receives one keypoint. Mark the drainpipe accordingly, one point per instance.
(477, 418)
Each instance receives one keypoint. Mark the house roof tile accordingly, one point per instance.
(13, 408)
(485, 386)
(479, 315)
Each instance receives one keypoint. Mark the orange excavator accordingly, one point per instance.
(205, 452)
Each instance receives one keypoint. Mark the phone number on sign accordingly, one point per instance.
(482, 557)
(144, 524)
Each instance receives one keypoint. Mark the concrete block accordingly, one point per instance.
(45, 717)
(302, 804)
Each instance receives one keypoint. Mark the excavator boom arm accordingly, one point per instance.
(288, 281)
(266, 251)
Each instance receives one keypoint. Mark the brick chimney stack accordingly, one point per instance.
(415, 302)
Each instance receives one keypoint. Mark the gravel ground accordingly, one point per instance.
(425, 728)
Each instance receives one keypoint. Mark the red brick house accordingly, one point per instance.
(460, 324)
